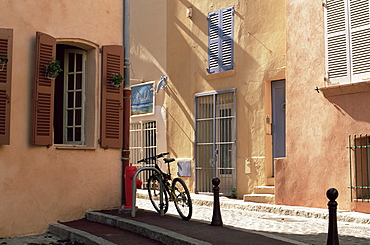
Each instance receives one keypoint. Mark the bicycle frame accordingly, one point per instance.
(165, 181)
(173, 190)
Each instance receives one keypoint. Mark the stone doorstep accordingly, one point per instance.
(260, 198)
(261, 194)
(268, 189)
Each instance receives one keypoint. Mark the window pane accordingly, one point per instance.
(79, 81)
(69, 134)
(77, 134)
(78, 99)
(74, 97)
(70, 100)
(69, 118)
(71, 62)
(78, 62)
(78, 118)
(71, 84)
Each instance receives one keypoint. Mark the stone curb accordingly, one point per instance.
(150, 231)
(318, 213)
(68, 233)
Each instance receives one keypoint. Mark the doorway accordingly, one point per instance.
(215, 141)
(278, 120)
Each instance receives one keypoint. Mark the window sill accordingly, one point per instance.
(74, 147)
(220, 75)
(343, 89)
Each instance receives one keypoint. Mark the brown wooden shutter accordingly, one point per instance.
(112, 98)
(6, 43)
(43, 92)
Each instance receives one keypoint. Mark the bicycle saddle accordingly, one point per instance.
(168, 160)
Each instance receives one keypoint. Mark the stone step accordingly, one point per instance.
(88, 232)
(260, 198)
(269, 189)
(67, 233)
(105, 229)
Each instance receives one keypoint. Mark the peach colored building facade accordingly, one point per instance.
(49, 172)
(234, 142)
(278, 46)
(241, 106)
(319, 124)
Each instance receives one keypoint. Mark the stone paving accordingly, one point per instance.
(305, 230)
(234, 213)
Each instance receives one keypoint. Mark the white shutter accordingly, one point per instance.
(338, 63)
(360, 39)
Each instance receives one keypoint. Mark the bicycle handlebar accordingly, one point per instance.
(154, 157)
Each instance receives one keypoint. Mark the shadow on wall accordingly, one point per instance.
(355, 105)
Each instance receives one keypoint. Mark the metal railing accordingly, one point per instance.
(359, 155)
(133, 209)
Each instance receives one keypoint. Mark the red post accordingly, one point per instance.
(129, 175)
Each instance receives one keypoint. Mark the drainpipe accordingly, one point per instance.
(126, 97)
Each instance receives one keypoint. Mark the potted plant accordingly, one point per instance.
(53, 68)
(233, 192)
(3, 61)
(116, 80)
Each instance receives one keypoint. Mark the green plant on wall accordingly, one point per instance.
(3, 61)
(116, 80)
(233, 192)
(53, 68)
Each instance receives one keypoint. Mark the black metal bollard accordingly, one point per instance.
(333, 239)
(216, 218)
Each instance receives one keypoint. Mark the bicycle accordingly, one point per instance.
(176, 192)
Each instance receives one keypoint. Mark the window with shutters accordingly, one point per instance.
(220, 40)
(66, 109)
(70, 98)
(6, 42)
(348, 40)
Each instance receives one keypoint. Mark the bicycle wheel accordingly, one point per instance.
(182, 198)
(154, 195)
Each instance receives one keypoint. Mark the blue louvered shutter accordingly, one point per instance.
(220, 40)
(227, 43)
(213, 42)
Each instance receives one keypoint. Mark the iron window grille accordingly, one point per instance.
(359, 154)
(143, 143)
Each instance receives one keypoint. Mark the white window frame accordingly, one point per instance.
(83, 97)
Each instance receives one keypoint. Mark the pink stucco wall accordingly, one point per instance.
(318, 124)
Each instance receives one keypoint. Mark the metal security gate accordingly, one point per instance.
(143, 143)
(359, 155)
(215, 137)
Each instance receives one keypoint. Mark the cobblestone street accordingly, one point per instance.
(305, 230)
(300, 229)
